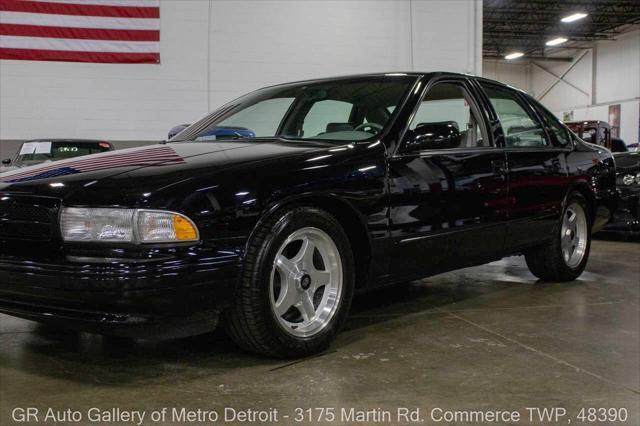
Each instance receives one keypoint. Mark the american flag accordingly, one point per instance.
(107, 31)
(155, 156)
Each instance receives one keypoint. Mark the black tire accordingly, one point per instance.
(250, 321)
(547, 261)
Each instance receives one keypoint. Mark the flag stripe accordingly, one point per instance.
(145, 157)
(75, 45)
(79, 33)
(69, 56)
(83, 161)
(140, 3)
(24, 18)
(100, 31)
(79, 9)
(97, 166)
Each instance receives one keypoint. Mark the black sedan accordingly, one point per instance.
(347, 184)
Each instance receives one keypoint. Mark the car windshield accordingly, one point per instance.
(35, 152)
(338, 110)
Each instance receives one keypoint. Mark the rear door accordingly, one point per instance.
(448, 203)
(537, 173)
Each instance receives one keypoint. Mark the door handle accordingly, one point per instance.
(499, 167)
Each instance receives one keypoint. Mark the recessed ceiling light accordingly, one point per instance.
(514, 55)
(556, 41)
(574, 17)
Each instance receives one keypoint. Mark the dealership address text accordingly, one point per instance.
(319, 415)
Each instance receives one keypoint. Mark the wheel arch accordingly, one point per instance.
(583, 189)
(351, 220)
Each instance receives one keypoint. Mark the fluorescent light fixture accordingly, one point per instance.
(514, 55)
(574, 17)
(557, 41)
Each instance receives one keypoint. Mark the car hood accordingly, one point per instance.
(147, 166)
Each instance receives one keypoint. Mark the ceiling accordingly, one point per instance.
(525, 25)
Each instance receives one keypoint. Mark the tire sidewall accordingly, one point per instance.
(575, 197)
(291, 221)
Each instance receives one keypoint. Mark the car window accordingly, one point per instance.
(258, 120)
(335, 110)
(558, 131)
(322, 114)
(520, 126)
(448, 105)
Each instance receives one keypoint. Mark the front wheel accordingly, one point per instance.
(297, 285)
(565, 257)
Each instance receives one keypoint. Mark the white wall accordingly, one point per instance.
(213, 51)
(574, 90)
(616, 80)
(113, 101)
(618, 69)
(514, 74)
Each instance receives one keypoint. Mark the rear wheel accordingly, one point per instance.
(297, 285)
(565, 257)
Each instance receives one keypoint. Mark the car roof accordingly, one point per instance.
(416, 74)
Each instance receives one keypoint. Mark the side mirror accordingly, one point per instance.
(441, 135)
(6, 161)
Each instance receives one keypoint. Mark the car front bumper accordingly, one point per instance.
(173, 295)
(626, 219)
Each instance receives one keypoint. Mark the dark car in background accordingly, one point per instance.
(593, 131)
(346, 184)
(626, 219)
(43, 150)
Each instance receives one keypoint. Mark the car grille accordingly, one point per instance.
(27, 218)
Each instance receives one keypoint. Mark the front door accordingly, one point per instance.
(448, 187)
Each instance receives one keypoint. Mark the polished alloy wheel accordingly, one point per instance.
(306, 282)
(574, 235)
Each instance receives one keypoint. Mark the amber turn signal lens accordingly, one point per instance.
(184, 229)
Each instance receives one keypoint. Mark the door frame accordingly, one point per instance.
(485, 118)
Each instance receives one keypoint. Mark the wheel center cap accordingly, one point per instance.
(305, 282)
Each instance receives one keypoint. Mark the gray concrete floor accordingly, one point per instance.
(484, 338)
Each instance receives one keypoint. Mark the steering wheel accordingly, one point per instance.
(374, 128)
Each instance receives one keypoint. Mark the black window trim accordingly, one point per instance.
(528, 106)
(540, 109)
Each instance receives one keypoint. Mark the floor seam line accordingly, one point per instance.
(440, 311)
(541, 353)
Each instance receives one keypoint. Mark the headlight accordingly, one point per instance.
(125, 225)
(638, 178)
(159, 226)
(628, 179)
